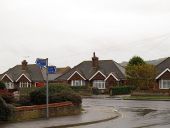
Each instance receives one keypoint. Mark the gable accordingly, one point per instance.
(6, 78)
(23, 78)
(76, 76)
(164, 75)
(98, 76)
(111, 77)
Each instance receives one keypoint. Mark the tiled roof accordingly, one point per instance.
(105, 66)
(163, 65)
(33, 72)
(59, 72)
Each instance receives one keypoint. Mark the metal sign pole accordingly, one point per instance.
(47, 109)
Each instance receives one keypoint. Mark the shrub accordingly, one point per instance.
(57, 93)
(6, 110)
(82, 90)
(2, 85)
(120, 90)
(23, 101)
(77, 88)
(95, 91)
(7, 96)
(60, 97)
(26, 91)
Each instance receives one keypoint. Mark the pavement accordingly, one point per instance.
(91, 115)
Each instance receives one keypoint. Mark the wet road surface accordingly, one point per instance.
(134, 114)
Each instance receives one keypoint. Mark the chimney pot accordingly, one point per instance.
(95, 61)
(24, 65)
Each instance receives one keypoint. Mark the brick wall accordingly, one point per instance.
(39, 111)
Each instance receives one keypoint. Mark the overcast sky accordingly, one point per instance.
(69, 31)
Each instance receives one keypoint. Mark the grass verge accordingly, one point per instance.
(159, 98)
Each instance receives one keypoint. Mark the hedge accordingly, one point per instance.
(6, 110)
(2, 85)
(57, 93)
(120, 90)
(78, 88)
(7, 96)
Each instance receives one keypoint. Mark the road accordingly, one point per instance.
(134, 114)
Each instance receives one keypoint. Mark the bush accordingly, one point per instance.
(57, 93)
(95, 91)
(82, 90)
(60, 97)
(7, 96)
(78, 88)
(23, 101)
(2, 86)
(6, 110)
(120, 90)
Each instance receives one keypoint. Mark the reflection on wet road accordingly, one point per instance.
(135, 114)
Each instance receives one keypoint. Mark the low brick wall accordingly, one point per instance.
(39, 111)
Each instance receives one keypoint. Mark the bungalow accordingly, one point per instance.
(28, 75)
(22, 76)
(163, 75)
(101, 74)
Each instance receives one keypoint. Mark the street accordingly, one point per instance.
(135, 114)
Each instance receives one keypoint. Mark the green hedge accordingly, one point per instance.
(119, 90)
(78, 88)
(7, 96)
(6, 110)
(57, 93)
(2, 85)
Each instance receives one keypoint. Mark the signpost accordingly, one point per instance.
(49, 70)
(47, 114)
(44, 63)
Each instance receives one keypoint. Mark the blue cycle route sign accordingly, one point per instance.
(41, 62)
(52, 69)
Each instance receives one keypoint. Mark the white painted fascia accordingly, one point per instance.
(8, 77)
(96, 74)
(167, 69)
(25, 77)
(111, 74)
(78, 74)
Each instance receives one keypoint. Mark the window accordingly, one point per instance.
(100, 84)
(9, 85)
(24, 84)
(77, 83)
(164, 84)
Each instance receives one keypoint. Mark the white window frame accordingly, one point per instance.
(9, 85)
(164, 84)
(100, 84)
(77, 83)
(25, 85)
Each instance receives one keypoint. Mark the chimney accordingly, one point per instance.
(95, 61)
(24, 65)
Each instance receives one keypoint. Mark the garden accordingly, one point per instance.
(61, 98)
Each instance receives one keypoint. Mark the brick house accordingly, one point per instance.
(23, 75)
(163, 75)
(101, 74)
(28, 75)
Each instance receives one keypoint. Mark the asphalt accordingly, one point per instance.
(91, 115)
